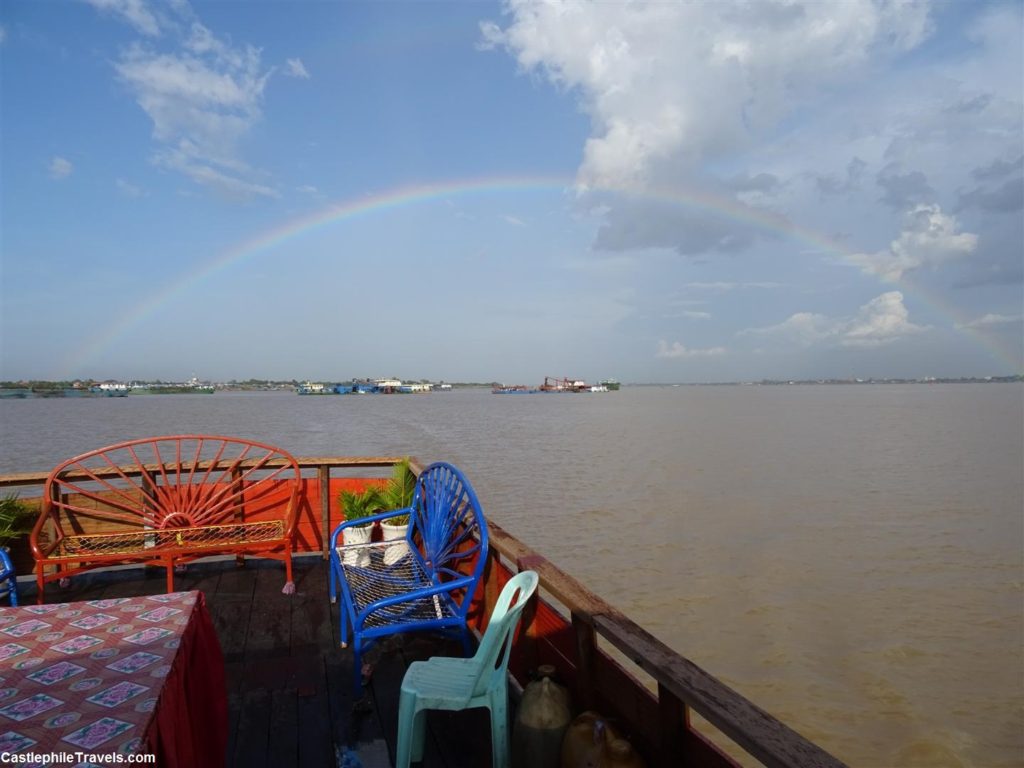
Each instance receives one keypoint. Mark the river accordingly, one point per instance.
(851, 558)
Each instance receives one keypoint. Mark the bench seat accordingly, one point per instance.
(153, 541)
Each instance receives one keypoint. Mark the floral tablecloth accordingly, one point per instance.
(122, 675)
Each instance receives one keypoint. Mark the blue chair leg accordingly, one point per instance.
(357, 670)
(343, 621)
(332, 580)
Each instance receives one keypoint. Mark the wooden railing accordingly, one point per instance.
(660, 719)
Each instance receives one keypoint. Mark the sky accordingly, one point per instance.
(474, 191)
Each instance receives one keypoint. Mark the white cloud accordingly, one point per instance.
(136, 12)
(991, 321)
(60, 168)
(230, 185)
(514, 220)
(882, 320)
(666, 84)
(930, 238)
(678, 350)
(722, 286)
(804, 328)
(127, 189)
(202, 98)
(295, 68)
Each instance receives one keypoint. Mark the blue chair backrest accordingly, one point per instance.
(496, 645)
(447, 517)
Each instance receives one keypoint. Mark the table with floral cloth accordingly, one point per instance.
(121, 675)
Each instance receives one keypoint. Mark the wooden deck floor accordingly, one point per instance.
(289, 682)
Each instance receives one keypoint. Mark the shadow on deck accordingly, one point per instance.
(289, 682)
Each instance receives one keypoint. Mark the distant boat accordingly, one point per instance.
(552, 384)
(110, 389)
(610, 384)
(309, 388)
(515, 389)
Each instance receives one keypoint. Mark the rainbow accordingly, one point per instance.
(416, 194)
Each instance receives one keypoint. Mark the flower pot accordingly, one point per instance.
(396, 533)
(357, 534)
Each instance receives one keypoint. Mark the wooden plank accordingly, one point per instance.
(20, 479)
(270, 621)
(324, 475)
(350, 725)
(316, 745)
(253, 727)
(233, 674)
(231, 621)
(385, 686)
(310, 609)
(761, 735)
(283, 743)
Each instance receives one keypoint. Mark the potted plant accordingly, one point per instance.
(16, 520)
(359, 506)
(397, 494)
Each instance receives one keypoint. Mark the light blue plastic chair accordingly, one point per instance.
(8, 578)
(453, 684)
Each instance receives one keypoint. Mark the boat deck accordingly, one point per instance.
(289, 682)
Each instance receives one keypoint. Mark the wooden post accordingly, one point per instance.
(585, 651)
(324, 474)
(674, 718)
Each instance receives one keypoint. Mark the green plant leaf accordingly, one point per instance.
(16, 518)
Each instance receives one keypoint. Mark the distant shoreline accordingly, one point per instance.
(39, 386)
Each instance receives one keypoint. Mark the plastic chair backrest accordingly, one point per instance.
(500, 629)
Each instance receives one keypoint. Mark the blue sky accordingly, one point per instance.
(477, 191)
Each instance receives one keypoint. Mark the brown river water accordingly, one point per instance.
(851, 558)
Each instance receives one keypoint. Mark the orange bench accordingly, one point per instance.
(166, 501)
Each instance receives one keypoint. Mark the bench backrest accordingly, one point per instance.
(175, 481)
(447, 518)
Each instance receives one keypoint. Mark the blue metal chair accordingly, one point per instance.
(8, 578)
(454, 684)
(432, 586)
